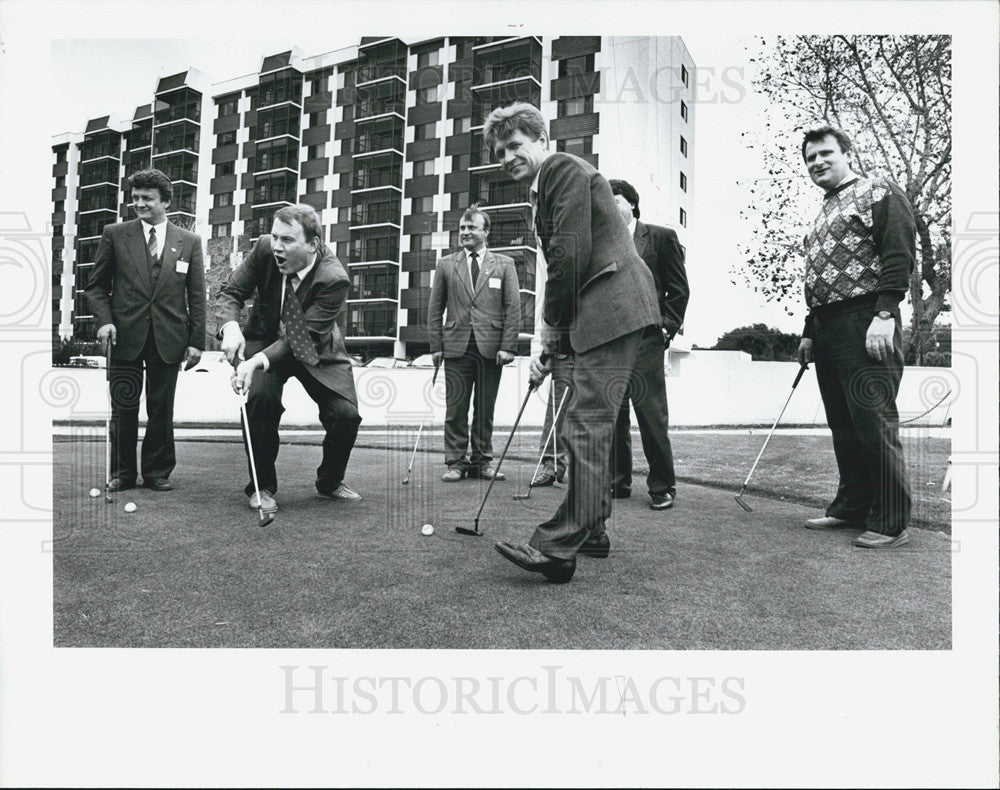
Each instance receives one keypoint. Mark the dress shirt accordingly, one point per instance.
(161, 236)
(480, 254)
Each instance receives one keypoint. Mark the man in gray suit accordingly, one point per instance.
(599, 299)
(479, 336)
(147, 293)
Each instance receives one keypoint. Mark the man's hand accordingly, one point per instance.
(538, 370)
(107, 334)
(805, 351)
(878, 341)
(244, 373)
(233, 343)
(436, 358)
(666, 336)
(191, 357)
(504, 357)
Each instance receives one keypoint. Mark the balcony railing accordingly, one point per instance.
(378, 71)
(380, 142)
(387, 250)
(373, 215)
(380, 107)
(368, 179)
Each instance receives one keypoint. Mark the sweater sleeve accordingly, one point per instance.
(894, 231)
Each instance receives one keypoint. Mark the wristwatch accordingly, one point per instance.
(885, 315)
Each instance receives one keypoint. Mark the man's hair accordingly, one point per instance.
(820, 132)
(472, 211)
(517, 117)
(151, 178)
(306, 216)
(627, 191)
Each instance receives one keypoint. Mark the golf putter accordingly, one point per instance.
(263, 518)
(406, 480)
(739, 496)
(475, 529)
(548, 438)
(107, 425)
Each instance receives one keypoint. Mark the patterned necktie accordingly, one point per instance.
(475, 269)
(295, 325)
(151, 245)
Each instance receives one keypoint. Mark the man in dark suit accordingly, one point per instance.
(147, 293)
(479, 336)
(599, 300)
(664, 256)
(294, 329)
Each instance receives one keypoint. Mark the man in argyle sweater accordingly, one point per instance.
(859, 255)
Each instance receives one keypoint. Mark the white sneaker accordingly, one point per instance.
(267, 503)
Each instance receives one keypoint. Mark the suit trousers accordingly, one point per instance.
(337, 414)
(554, 455)
(462, 375)
(600, 380)
(126, 384)
(859, 396)
(648, 393)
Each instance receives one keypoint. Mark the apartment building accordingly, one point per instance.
(384, 140)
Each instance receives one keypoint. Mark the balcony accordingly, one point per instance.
(381, 71)
(368, 144)
(371, 108)
(494, 188)
(373, 249)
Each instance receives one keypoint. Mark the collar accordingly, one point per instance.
(533, 189)
(160, 228)
(301, 273)
(631, 225)
(480, 251)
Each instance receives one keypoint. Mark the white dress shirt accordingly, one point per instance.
(161, 236)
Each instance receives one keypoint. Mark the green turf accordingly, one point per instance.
(191, 568)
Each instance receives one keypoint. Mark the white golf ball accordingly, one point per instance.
(427, 529)
(95, 492)
(130, 507)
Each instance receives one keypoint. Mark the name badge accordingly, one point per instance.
(182, 267)
(494, 282)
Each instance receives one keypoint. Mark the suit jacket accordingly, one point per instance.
(121, 291)
(597, 288)
(662, 253)
(322, 294)
(492, 313)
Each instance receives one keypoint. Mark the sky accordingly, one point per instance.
(99, 76)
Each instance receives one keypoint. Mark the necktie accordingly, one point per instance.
(475, 269)
(151, 246)
(295, 325)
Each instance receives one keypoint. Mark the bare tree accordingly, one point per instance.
(892, 95)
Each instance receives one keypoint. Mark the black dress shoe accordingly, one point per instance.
(157, 484)
(543, 478)
(599, 546)
(531, 559)
(120, 484)
(620, 492)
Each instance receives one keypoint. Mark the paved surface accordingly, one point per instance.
(192, 568)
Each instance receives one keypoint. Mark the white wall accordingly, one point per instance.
(711, 388)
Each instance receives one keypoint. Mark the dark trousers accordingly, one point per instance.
(338, 415)
(600, 379)
(859, 395)
(648, 393)
(462, 375)
(554, 454)
(126, 384)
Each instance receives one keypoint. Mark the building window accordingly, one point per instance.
(684, 111)
(60, 156)
(60, 182)
(227, 138)
(317, 118)
(462, 125)
(583, 64)
(317, 151)
(684, 183)
(229, 106)
(223, 199)
(685, 77)
(344, 214)
(422, 205)
(218, 231)
(320, 84)
(684, 218)
(576, 145)
(59, 206)
(684, 146)
(424, 131)
(424, 168)
(427, 95)
(314, 184)
(460, 163)
(420, 280)
(425, 59)
(580, 105)
(459, 200)
(225, 169)
(420, 241)
(463, 48)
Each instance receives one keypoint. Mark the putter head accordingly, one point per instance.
(466, 531)
(265, 518)
(742, 504)
(523, 496)
(406, 482)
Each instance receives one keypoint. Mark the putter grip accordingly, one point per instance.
(799, 376)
